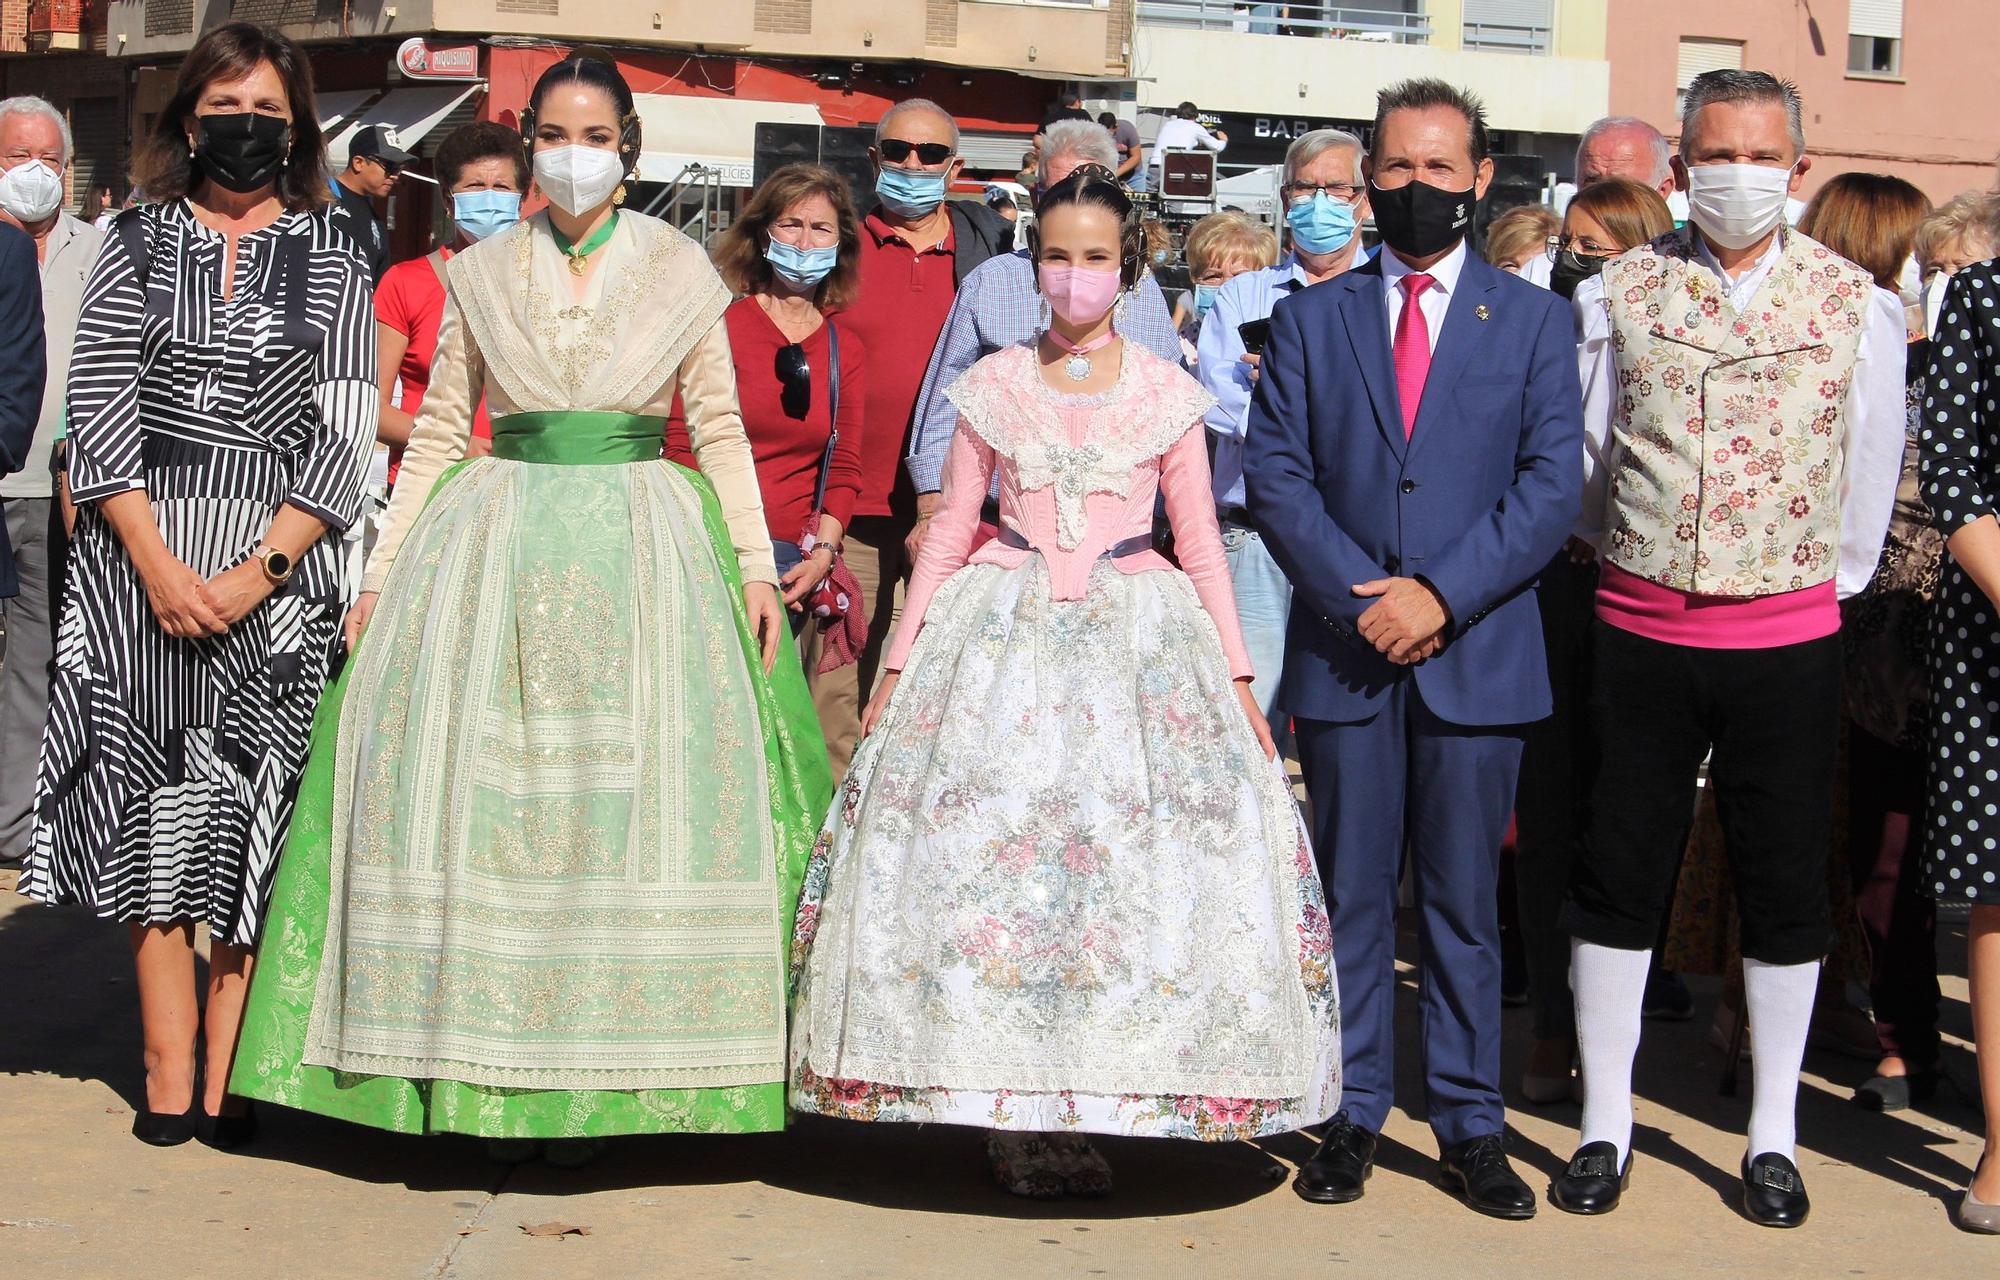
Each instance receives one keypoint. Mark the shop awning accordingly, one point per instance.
(412, 112)
(338, 107)
(719, 133)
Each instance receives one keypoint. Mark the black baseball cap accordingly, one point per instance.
(378, 141)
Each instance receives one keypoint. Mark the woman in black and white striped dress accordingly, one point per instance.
(222, 403)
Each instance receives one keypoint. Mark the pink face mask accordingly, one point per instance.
(1080, 295)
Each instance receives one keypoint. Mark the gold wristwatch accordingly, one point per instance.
(277, 565)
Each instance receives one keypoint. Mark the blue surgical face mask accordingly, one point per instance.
(1321, 224)
(909, 193)
(1204, 298)
(480, 214)
(800, 268)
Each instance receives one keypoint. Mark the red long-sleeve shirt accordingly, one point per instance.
(788, 449)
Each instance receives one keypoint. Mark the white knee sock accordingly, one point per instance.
(1778, 999)
(1610, 986)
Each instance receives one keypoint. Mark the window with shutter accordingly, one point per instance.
(1508, 26)
(98, 127)
(1699, 54)
(1875, 38)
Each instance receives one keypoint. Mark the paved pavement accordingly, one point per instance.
(80, 1199)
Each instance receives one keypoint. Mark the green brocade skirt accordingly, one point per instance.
(446, 884)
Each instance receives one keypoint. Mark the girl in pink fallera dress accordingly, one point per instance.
(1065, 888)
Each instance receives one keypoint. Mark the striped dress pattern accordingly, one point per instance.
(169, 766)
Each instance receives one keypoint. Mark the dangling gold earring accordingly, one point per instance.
(618, 196)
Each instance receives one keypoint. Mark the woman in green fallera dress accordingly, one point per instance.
(549, 841)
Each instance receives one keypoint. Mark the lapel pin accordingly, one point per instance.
(1482, 312)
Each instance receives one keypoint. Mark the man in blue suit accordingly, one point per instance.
(1414, 456)
(23, 367)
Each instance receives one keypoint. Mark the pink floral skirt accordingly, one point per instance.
(1062, 888)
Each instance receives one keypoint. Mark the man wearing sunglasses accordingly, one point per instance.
(917, 247)
(1000, 306)
(374, 167)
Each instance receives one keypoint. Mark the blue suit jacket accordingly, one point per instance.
(1479, 498)
(24, 367)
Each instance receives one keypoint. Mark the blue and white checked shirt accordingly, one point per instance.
(1219, 363)
(998, 306)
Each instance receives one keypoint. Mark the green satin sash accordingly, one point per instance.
(579, 438)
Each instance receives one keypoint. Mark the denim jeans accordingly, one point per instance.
(1263, 605)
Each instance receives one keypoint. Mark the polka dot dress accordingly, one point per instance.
(1960, 469)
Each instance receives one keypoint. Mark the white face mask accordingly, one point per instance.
(31, 191)
(1736, 205)
(1932, 296)
(577, 178)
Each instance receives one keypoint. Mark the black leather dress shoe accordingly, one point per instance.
(164, 1128)
(226, 1132)
(1593, 1181)
(1338, 1171)
(1478, 1171)
(1897, 1093)
(1774, 1195)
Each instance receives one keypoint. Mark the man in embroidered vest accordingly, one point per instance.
(1743, 416)
(1411, 460)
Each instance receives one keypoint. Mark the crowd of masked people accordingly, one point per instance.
(1657, 553)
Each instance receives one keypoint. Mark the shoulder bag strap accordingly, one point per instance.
(833, 418)
(436, 258)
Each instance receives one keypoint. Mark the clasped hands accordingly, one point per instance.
(189, 606)
(1407, 622)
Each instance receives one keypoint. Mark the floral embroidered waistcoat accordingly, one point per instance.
(1726, 472)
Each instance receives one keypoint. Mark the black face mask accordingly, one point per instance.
(1571, 270)
(242, 152)
(1418, 219)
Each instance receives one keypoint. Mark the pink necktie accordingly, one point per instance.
(1413, 351)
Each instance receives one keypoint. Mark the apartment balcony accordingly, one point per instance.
(1056, 39)
(1388, 23)
(1540, 67)
(55, 25)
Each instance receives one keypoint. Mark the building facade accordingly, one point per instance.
(709, 73)
(1904, 87)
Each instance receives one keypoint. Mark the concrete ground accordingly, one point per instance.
(81, 1199)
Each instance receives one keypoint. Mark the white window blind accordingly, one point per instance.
(1875, 18)
(1518, 13)
(1698, 55)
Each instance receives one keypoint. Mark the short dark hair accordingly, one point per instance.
(1097, 185)
(481, 140)
(230, 52)
(1425, 93)
(739, 254)
(593, 67)
(1731, 84)
(1187, 111)
(1108, 120)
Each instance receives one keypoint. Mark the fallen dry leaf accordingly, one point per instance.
(555, 1229)
(1187, 1244)
(466, 1231)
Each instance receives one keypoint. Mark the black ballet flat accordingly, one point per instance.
(226, 1133)
(164, 1128)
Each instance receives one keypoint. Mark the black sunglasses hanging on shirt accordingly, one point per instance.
(794, 379)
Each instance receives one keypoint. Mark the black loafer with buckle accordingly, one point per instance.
(1774, 1195)
(1593, 1181)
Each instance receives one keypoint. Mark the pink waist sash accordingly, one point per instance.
(1631, 603)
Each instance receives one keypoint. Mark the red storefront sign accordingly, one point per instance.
(420, 59)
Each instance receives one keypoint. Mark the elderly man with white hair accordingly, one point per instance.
(918, 249)
(1326, 199)
(999, 306)
(1625, 147)
(35, 151)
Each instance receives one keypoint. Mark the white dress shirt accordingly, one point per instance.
(1435, 300)
(1873, 427)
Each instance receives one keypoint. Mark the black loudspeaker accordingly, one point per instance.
(843, 150)
(1517, 180)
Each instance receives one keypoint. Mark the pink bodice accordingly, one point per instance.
(1078, 475)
